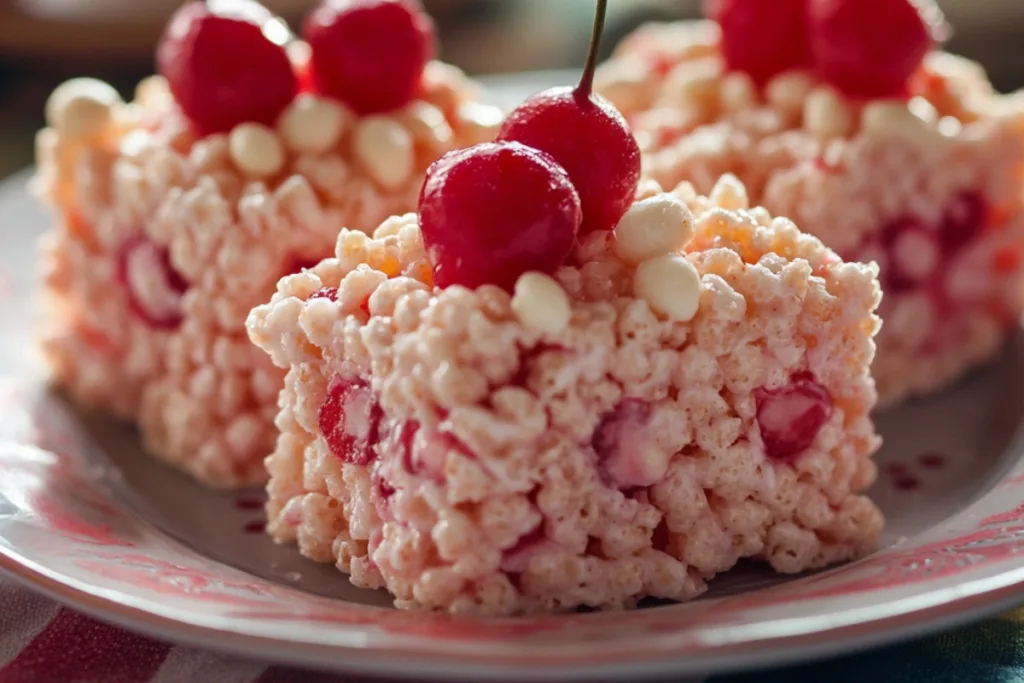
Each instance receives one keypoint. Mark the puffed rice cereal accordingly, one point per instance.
(164, 241)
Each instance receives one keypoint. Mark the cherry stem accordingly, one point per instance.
(586, 86)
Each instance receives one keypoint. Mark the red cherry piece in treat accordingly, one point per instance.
(226, 64)
(370, 54)
(154, 287)
(628, 453)
(871, 48)
(790, 418)
(495, 211)
(350, 421)
(762, 38)
(965, 218)
(588, 137)
(330, 293)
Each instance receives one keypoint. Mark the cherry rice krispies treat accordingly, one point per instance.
(617, 431)
(178, 212)
(549, 389)
(885, 148)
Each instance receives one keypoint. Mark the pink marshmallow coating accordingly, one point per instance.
(491, 469)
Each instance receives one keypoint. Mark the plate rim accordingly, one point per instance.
(376, 660)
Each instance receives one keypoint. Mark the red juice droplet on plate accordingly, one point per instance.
(256, 527)
(932, 461)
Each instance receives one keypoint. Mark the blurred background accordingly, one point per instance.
(43, 42)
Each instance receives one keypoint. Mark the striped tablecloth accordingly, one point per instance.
(41, 642)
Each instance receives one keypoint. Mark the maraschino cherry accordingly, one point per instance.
(588, 137)
(349, 420)
(370, 54)
(495, 211)
(226, 64)
(762, 38)
(871, 48)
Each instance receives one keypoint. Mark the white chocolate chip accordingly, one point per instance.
(950, 126)
(479, 122)
(428, 126)
(738, 92)
(730, 194)
(541, 304)
(81, 108)
(788, 92)
(311, 124)
(826, 114)
(670, 285)
(660, 225)
(384, 148)
(153, 92)
(256, 150)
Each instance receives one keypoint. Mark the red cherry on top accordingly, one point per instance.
(588, 137)
(495, 211)
(370, 54)
(762, 38)
(226, 64)
(871, 48)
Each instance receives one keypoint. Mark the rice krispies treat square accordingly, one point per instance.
(164, 241)
(930, 187)
(455, 448)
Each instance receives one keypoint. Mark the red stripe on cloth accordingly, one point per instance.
(23, 616)
(277, 674)
(76, 649)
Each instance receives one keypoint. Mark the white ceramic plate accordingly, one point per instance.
(88, 519)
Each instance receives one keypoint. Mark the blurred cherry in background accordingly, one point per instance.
(43, 42)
